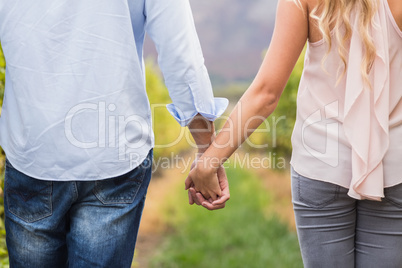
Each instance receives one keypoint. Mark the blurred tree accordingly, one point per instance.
(2, 76)
(3, 247)
(2, 82)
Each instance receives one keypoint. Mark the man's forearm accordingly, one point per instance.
(203, 132)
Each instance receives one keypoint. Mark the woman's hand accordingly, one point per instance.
(203, 178)
(198, 198)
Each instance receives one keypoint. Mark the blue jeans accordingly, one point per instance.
(74, 224)
(336, 230)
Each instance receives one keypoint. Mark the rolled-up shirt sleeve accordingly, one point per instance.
(171, 26)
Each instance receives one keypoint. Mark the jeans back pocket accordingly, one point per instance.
(27, 198)
(315, 193)
(122, 189)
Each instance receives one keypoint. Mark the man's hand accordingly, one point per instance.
(210, 204)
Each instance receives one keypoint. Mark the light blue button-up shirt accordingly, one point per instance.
(75, 105)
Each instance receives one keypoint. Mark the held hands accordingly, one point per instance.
(207, 186)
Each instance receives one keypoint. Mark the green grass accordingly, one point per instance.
(3, 248)
(238, 236)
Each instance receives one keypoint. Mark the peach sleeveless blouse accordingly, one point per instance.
(347, 133)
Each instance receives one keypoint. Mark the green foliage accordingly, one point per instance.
(2, 82)
(241, 235)
(279, 126)
(2, 76)
(3, 247)
(169, 135)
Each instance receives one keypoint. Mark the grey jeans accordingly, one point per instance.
(336, 230)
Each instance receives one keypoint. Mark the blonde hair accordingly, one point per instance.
(336, 13)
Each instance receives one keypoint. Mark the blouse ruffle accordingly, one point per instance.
(366, 111)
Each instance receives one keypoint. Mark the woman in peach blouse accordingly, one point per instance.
(347, 140)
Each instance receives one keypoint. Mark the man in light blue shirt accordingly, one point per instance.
(76, 122)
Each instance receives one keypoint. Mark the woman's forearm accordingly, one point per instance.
(250, 112)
